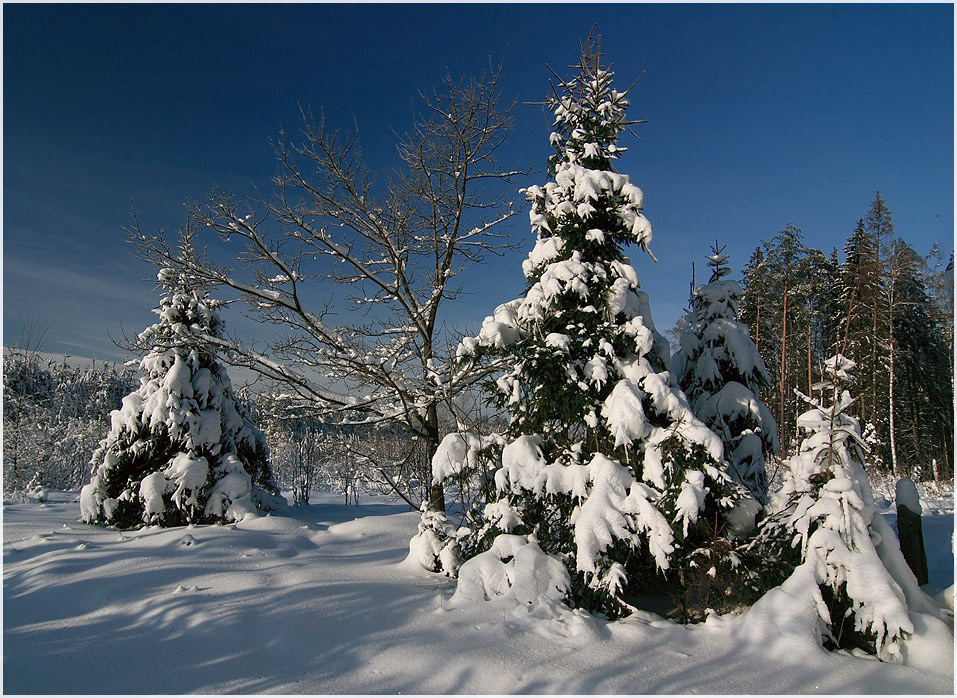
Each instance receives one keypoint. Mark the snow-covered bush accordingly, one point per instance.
(604, 467)
(436, 544)
(513, 567)
(721, 372)
(180, 449)
(822, 525)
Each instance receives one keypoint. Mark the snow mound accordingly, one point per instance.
(786, 621)
(906, 494)
(516, 569)
(932, 644)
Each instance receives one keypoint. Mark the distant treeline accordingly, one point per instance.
(54, 415)
(886, 307)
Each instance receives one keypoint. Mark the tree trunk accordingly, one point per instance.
(436, 491)
(874, 335)
(890, 408)
(810, 374)
(890, 377)
(784, 350)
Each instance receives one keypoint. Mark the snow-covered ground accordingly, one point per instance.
(321, 600)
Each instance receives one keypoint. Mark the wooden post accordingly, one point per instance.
(909, 528)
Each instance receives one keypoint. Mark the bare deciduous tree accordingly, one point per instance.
(394, 249)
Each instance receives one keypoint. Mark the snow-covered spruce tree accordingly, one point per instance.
(181, 450)
(823, 537)
(720, 371)
(608, 485)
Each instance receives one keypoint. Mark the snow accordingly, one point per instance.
(497, 334)
(187, 475)
(514, 568)
(570, 274)
(152, 489)
(498, 330)
(602, 517)
(230, 495)
(691, 498)
(545, 250)
(522, 463)
(322, 601)
(624, 414)
(742, 516)
(557, 340)
(596, 370)
(435, 546)
(906, 495)
(456, 453)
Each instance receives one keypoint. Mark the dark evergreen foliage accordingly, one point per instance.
(849, 307)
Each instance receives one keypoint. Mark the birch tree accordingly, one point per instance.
(388, 256)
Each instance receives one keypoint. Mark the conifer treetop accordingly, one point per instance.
(603, 464)
(185, 309)
(589, 113)
(589, 117)
(181, 448)
(722, 373)
(718, 262)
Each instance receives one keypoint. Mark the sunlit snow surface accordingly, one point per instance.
(321, 600)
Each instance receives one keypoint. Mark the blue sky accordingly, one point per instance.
(759, 115)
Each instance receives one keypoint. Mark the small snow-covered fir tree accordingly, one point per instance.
(823, 528)
(181, 449)
(721, 372)
(604, 467)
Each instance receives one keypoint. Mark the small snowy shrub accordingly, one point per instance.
(604, 469)
(823, 523)
(436, 545)
(462, 459)
(181, 449)
(721, 372)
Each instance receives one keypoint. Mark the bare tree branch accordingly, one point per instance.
(394, 250)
